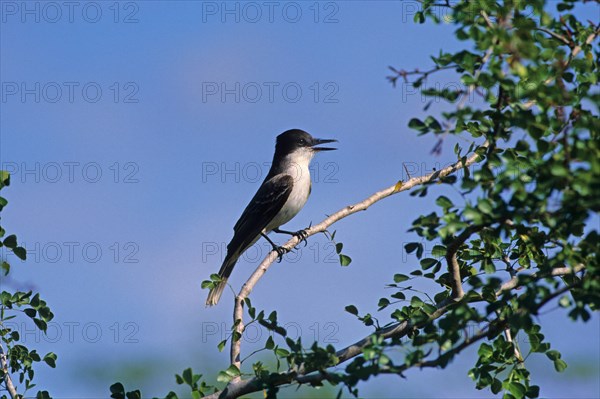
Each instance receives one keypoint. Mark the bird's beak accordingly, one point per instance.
(322, 141)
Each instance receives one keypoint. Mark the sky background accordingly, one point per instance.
(137, 132)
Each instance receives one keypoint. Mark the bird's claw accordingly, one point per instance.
(280, 252)
(302, 235)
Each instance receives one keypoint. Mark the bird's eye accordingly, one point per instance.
(302, 142)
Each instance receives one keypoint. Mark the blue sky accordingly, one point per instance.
(138, 131)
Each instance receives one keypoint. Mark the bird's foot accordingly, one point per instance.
(280, 252)
(302, 235)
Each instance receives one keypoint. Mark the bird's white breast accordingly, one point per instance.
(298, 169)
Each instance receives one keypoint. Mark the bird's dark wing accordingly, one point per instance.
(263, 207)
(267, 202)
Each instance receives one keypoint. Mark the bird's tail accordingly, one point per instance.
(215, 293)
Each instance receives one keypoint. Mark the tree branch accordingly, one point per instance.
(321, 227)
(301, 375)
(517, 352)
(492, 328)
(559, 271)
(556, 36)
(353, 350)
(423, 74)
(453, 266)
(7, 380)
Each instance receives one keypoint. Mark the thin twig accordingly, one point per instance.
(453, 266)
(423, 74)
(556, 36)
(559, 271)
(446, 4)
(487, 19)
(517, 353)
(7, 380)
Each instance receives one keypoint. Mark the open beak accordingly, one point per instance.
(322, 141)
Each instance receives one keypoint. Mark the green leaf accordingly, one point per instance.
(35, 301)
(441, 296)
(559, 170)
(221, 345)
(496, 386)
(411, 246)
(438, 251)
(270, 344)
(428, 262)
(41, 324)
(419, 17)
(351, 309)
(416, 302)
(399, 295)
(117, 388)
(398, 278)
(560, 365)
(50, 359)
(444, 202)
(485, 351)
(432, 123)
(20, 252)
(383, 302)
(207, 284)
(4, 178)
(134, 394)
(518, 390)
(415, 123)
(345, 260)
(564, 6)
(485, 206)
(10, 241)
(187, 376)
(229, 374)
(533, 391)
(553, 355)
(282, 352)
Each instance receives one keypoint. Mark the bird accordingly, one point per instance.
(279, 198)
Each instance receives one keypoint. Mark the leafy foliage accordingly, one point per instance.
(519, 237)
(526, 209)
(15, 358)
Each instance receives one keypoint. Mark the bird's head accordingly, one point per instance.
(296, 142)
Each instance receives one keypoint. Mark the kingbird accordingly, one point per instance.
(279, 198)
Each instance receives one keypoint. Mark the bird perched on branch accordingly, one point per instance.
(280, 197)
